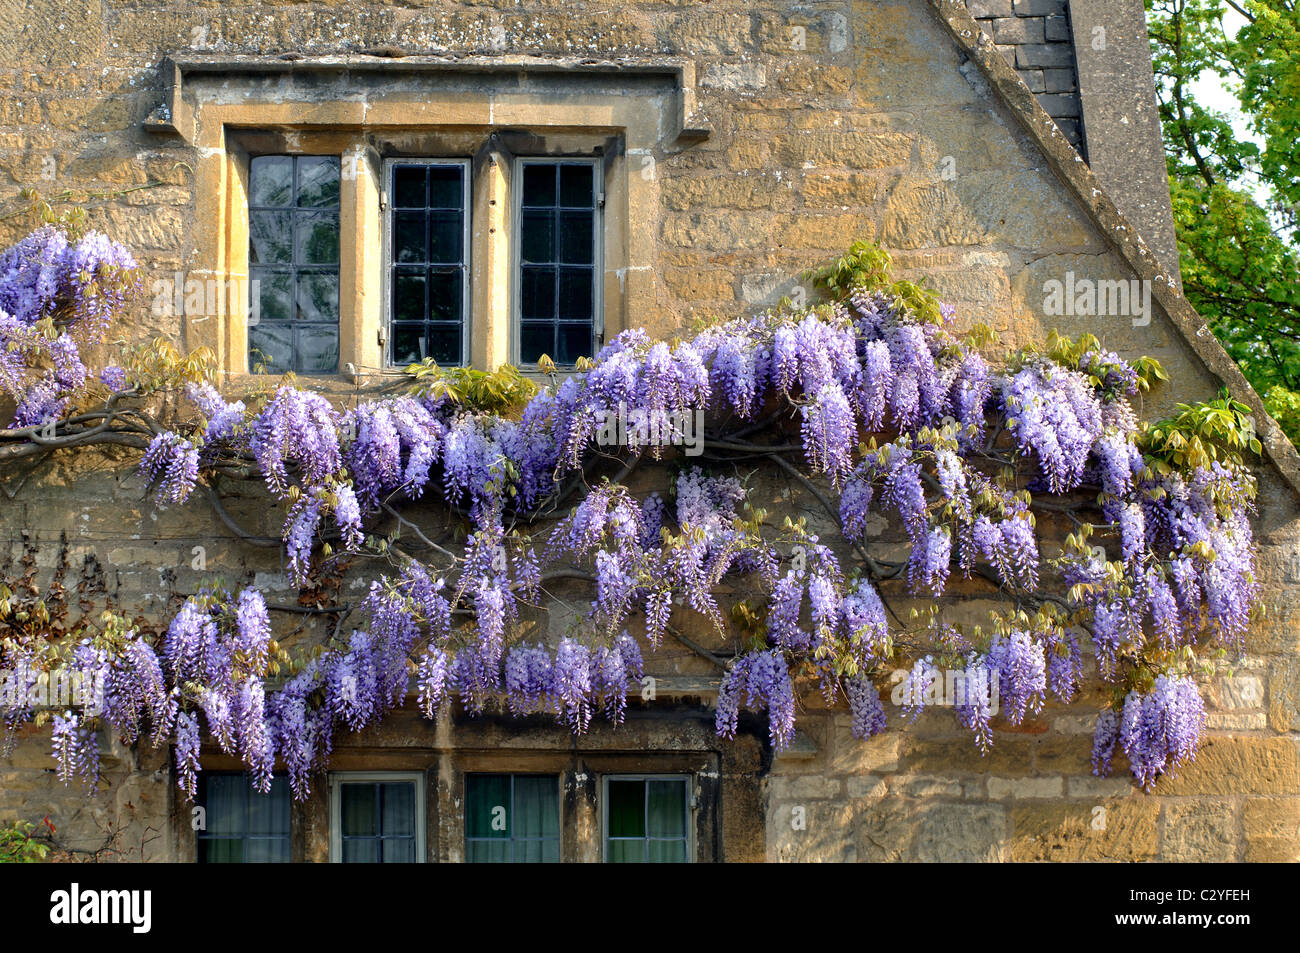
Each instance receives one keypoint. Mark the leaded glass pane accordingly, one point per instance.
(558, 241)
(293, 251)
(427, 255)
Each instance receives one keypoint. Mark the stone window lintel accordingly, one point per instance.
(363, 107)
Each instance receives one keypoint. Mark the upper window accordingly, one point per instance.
(428, 248)
(512, 818)
(241, 825)
(293, 262)
(558, 215)
(377, 818)
(647, 819)
(360, 266)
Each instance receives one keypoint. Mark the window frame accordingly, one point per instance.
(336, 781)
(689, 806)
(386, 211)
(237, 105)
(559, 810)
(247, 788)
(516, 188)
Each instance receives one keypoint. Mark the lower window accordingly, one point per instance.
(512, 818)
(241, 825)
(377, 818)
(647, 819)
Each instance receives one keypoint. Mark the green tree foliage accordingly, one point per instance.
(1237, 202)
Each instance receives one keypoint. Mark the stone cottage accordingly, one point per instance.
(705, 153)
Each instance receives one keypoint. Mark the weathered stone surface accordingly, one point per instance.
(1024, 788)
(803, 787)
(883, 831)
(1271, 827)
(925, 213)
(1239, 765)
(1117, 100)
(1107, 830)
(841, 190)
(810, 832)
(857, 150)
(961, 833)
(1199, 832)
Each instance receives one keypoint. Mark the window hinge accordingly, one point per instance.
(383, 334)
(383, 200)
(600, 200)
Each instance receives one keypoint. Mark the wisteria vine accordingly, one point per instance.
(869, 402)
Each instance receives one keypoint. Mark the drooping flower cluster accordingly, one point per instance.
(865, 708)
(1021, 669)
(919, 686)
(1054, 412)
(171, 465)
(224, 419)
(113, 377)
(903, 381)
(977, 699)
(297, 428)
(1187, 552)
(76, 750)
(1158, 731)
(757, 681)
(830, 431)
(1104, 738)
(573, 683)
(397, 444)
(56, 298)
(865, 625)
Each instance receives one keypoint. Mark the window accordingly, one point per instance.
(377, 818)
(512, 818)
(647, 819)
(428, 274)
(293, 260)
(255, 127)
(359, 264)
(558, 240)
(241, 825)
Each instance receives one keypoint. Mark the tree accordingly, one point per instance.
(1236, 202)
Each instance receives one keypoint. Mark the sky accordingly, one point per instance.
(1211, 90)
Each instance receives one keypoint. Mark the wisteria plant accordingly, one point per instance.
(868, 403)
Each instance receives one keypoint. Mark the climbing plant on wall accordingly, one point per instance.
(868, 402)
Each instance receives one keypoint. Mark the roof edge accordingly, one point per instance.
(1071, 169)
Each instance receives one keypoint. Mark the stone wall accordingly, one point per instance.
(829, 121)
(1034, 36)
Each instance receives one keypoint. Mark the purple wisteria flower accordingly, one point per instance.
(757, 681)
(865, 708)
